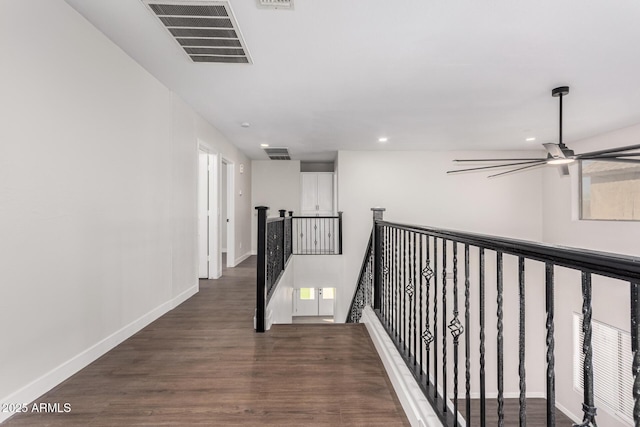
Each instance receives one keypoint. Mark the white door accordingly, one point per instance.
(227, 219)
(305, 302)
(313, 301)
(208, 244)
(325, 194)
(316, 193)
(326, 297)
(309, 196)
(203, 217)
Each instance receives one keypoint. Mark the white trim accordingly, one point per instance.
(231, 210)
(57, 375)
(242, 258)
(215, 266)
(185, 295)
(415, 405)
(569, 414)
(268, 319)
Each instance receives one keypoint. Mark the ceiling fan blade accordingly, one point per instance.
(608, 156)
(615, 159)
(496, 160)
(517, 169)
(609, 151)
(554, 150)
(499, 166)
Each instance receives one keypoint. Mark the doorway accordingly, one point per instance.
(208, 264)
(227, 209)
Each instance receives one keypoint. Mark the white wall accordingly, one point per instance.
(318, 271)
(276, 184)
(611, 297)
(98, 183)
(415, 189)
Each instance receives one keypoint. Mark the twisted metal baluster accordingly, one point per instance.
(588, 406)
(500, 342)
(483, 414)
(435, 312)
(415, 303)
(396, 318)
(409, 291)
(420, 284)
(521, 347)
(456, 330)
(389, 275)
(551, 375)
(444, 325)
(404, 295)
(427, 336)
(467, 338)
(385, 272)
(635, 348)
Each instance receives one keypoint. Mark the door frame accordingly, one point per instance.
(214, 255)
(230, 214)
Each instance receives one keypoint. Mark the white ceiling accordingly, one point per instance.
(428, 74)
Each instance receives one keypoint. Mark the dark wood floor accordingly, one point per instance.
(202, 364)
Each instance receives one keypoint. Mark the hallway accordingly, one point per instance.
(202, 364)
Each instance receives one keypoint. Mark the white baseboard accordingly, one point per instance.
(569, 414)
(415, 405)
(57, 375)
(268, 320)
(242, 258)
(185, 295)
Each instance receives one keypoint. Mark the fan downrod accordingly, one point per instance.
(560, 91)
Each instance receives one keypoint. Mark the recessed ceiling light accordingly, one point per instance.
(383, 139)
(530, 139)
(264, 145)
(245, 124)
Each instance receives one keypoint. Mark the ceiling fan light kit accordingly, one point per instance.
(557, 154)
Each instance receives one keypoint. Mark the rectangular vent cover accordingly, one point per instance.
(277, 4)
(278, 153)
(206, 31)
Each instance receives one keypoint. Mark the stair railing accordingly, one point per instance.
(274, 250)
(420, 289)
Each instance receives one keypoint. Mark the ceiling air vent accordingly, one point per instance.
(206, 31)
(278, 153)
(277, 4)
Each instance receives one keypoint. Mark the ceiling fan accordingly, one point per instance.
(557, 154)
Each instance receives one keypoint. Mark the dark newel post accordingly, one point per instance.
(282, 246)
(339, 233)
(291, 230)
(261, 276)
(377, 264)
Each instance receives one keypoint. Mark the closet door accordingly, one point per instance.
(309, 197)
(325, 194)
